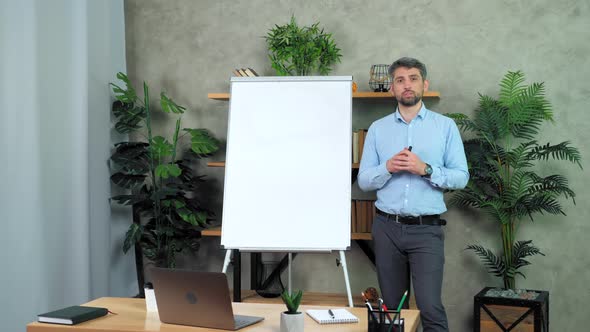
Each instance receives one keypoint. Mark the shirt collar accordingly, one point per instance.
(421, 113)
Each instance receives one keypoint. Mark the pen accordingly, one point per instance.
(331, 313)
(386, 313)
(410, 148)
(370, 307)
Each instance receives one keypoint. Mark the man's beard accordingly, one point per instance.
(411, 101)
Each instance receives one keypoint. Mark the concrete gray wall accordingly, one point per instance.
(189, 48)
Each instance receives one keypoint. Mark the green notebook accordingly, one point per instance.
(72, 315)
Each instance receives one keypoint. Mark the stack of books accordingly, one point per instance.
(362, 214)
(244, 72)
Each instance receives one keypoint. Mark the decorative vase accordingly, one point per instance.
(291, 322)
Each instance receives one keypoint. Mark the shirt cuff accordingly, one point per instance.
(435, 176)
(383, 169)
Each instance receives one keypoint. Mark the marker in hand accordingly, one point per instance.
(410, 148)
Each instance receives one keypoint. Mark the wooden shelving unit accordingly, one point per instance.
(355, 95)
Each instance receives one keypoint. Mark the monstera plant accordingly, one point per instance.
(160, 182)
(503, 154)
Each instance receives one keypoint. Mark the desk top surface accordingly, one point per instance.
(131, 316)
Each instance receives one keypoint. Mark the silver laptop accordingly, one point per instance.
(196, 299)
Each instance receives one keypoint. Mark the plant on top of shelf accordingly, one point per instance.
(301, 51)
(162, 185)
(502, 158)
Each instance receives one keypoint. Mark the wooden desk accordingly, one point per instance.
(132, 317)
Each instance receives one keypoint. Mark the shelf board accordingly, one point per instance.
(222, 164)
(379, 95)
(355, 95)
(216, 232)
(216, 164)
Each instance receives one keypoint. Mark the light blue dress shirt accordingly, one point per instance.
(436, 140)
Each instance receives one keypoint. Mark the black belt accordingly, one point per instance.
(433, 219)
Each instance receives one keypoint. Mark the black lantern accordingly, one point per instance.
(379, 81)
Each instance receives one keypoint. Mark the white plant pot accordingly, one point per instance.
(291, 322)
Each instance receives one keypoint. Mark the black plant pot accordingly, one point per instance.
(506, 314)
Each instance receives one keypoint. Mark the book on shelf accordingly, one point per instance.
(340, 316)
(355, 147)
(359, 217)
(353, 217)
(358, 143)
(244, 72)
(72, 315)
(250, 72)
(362, 135)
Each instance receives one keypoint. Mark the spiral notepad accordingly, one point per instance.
(340, 316)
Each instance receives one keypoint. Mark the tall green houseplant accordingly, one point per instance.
(301, 51)
(161, 184)
(503, 155)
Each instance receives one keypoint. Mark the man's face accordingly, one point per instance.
(408, 86)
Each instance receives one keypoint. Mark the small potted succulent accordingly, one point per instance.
(292, 320)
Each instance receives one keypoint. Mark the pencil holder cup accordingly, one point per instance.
(384, 321)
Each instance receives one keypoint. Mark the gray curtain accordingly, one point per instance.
(60, 241)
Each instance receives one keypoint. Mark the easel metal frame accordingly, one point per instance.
(237, 271)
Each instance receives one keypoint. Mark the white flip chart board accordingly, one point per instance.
(288, 164)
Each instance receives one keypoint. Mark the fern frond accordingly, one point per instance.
(490, 120)
(555, 184)
(519, 157)
(530, 109)
(463, 122)
(542, 202)
(522, 249)
(511, 87)
(561, 151)
(493, 263)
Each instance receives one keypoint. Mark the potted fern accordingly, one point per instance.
(161, 186)
(301, 51)
(502, 154)
(292, 320)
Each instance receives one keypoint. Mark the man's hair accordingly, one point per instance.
(407, 62)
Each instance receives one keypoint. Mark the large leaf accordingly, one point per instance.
(168, 170)
(132, 157)
(130, 199)
(127, 94)
(128, 116)
(132, 236)
(202, 143)
(127, 181)
(161, 148)
(168, 105)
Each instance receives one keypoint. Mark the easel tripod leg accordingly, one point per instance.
(345, 270)
(226, 261)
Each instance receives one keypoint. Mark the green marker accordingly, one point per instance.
(401, 303)
(399, 307)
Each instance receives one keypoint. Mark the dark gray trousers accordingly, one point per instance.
(422, 246)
